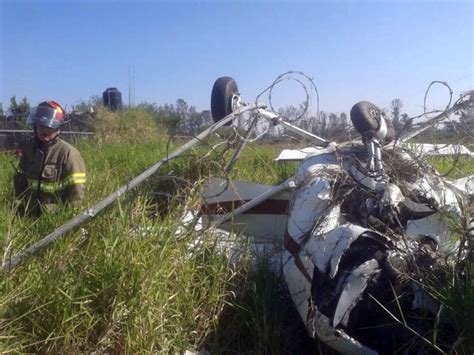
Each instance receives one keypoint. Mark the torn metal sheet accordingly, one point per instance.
(301, 154)
(354, 287)
(326, 250)
(438, 227)
(337, 339)
(464, 185)
(312, 200)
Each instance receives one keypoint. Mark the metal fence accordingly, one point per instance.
(12, 138)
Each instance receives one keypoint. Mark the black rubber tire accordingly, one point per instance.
(365, 117)
(221, 97)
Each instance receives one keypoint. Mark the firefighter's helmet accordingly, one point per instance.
(47, 113)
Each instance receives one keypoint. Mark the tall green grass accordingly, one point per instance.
(124, 282)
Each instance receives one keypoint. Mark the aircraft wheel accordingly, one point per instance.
(365, 117)
(221, 97)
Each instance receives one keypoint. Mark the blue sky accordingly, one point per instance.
(354, 50)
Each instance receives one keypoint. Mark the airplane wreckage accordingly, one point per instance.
(357, 227)
(361, 224)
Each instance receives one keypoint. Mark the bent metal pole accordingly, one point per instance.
(91, 212)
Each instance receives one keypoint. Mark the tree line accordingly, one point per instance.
(182, 118)
(16, 114)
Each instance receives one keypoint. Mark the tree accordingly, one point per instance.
(179, 118)
(289, 113)
(189, 119)
(343, 120)
(182, 109)
(407, 122)
(466, 121)
(197, 120)
(333, 119)
(1, 110)
(89, 106)
(320, 127)
(19, 111)
(396, 111)
(166, 115)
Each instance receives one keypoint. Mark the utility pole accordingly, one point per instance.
(129, 88)
(133, 84)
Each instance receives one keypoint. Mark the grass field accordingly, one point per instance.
(125, 283)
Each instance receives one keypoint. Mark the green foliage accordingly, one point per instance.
(115, 289)
(133, 125)
(179, 118)
(19, 111)
(257, 165)
(455, 290)
(454, 167)
(94, 101)
(262, 318)
(167, 116)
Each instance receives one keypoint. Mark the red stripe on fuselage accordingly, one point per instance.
(294, 248)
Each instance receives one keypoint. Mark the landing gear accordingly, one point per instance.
(223, 93)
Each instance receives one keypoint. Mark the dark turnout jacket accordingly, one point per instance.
(49, 174)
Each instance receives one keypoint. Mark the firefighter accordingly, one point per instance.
(51, 171)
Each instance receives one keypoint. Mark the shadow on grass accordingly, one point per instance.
(261, 319)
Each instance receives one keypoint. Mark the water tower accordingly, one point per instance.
(112, 99)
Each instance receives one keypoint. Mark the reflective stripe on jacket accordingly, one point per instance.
(52, 187)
